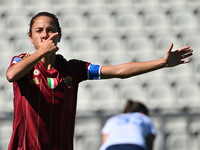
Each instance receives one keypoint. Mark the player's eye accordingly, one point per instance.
(51, 31)
(39, 30)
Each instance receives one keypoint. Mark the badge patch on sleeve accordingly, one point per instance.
(16, 59)
(94, 71)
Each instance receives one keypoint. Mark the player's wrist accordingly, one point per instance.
(162, 63)
(39, 53)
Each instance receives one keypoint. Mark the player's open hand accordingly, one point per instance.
(174, 58)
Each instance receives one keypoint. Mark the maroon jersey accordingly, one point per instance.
(45, 105)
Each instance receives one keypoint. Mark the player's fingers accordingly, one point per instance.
(186, 55)
(186, 61)
(39, 39)
(170, 48)
(183, 48)
(53, 35)
(186, 52)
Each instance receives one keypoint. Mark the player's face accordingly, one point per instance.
(43, 27)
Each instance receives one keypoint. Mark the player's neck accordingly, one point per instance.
(49, 61)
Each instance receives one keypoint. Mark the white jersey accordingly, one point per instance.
(129, 128)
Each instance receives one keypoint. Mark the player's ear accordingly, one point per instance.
(30, 37)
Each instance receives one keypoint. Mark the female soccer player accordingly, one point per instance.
(131, 130)
(45, 86)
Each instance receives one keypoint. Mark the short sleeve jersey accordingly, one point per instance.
(45, 104)
(130, 128)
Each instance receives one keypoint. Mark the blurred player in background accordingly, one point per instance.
(131, 130)
(46, 84)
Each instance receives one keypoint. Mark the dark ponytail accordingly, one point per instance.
(135, 106)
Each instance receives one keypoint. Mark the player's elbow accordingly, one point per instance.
(124, 73)
(10, 76)
(124, 76)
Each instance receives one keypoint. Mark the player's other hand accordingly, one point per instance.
(174, 58)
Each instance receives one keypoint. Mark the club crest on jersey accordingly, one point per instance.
(52, 82)
(68, 81)
(36, 72)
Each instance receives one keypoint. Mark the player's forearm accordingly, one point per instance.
(131, 69)
(150, 141)
(137, 68)
(18, 70)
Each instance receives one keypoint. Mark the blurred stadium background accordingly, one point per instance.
(110, 32)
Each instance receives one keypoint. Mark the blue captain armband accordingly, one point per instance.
(94, 72)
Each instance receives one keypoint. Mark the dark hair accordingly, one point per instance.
(47, 14)
(135, 106)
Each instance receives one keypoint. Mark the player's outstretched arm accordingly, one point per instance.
(170, 59)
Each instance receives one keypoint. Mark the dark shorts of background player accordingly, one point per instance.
(125, 147)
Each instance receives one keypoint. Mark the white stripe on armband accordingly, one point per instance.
(94, 72)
